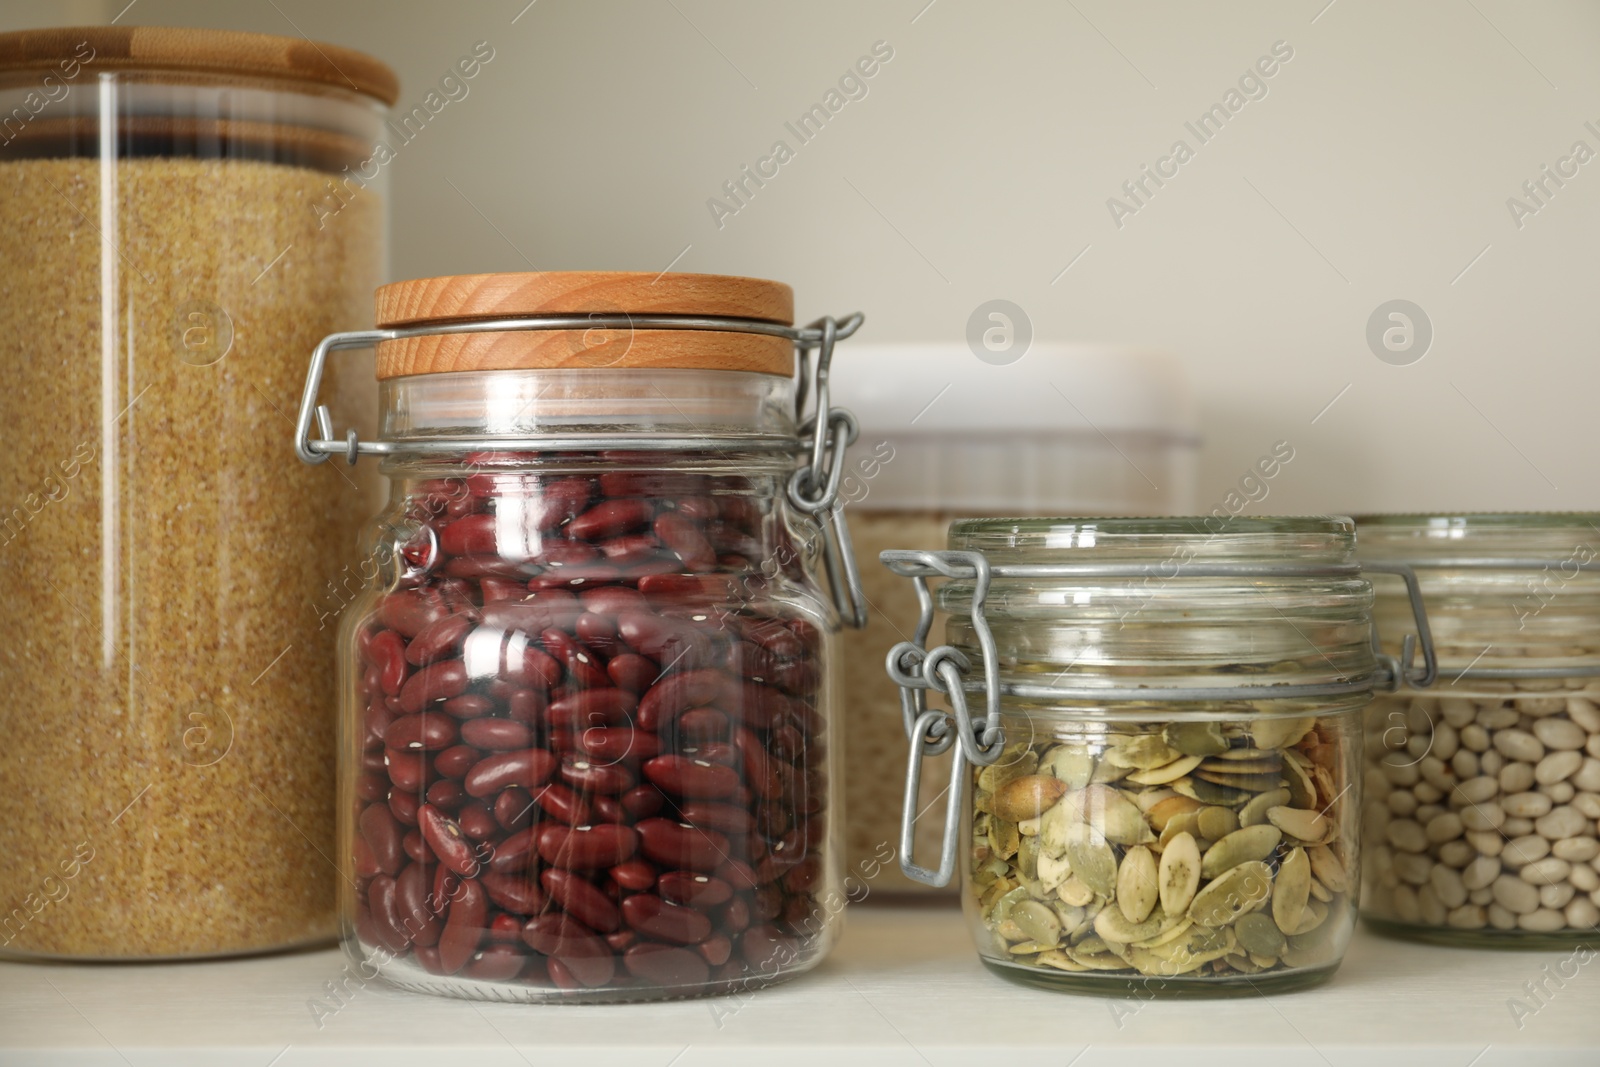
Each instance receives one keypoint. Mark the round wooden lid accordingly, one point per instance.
(27, 55)
(465, 297)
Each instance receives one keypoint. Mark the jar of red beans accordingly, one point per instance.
(587, 692)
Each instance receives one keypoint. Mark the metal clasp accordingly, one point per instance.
(1399, 671)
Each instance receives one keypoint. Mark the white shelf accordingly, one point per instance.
(903, 987)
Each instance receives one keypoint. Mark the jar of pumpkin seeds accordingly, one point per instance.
(1156, 733)
(1482, 808)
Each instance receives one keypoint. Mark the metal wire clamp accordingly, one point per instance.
(916, 669)
(825, 434)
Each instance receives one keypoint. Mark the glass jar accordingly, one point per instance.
(1482, 816)
(587, 702)
(179, 221)
(1155, 789)
(947, 435)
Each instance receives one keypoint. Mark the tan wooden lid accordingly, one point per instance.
(220, 54)
(465, 297)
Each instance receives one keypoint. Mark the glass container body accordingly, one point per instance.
(1167, 847)
(587, 700)
(171, 253)
(1482, 812)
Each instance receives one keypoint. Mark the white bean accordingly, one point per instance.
(1559, 734)
(1557, 766)
(1561, 823)
(1546, 871)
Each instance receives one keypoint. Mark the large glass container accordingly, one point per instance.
(1157, 790)
(183, 213)
(1482, 816)
(588, 697)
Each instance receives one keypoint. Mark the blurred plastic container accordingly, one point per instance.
(1068, 429)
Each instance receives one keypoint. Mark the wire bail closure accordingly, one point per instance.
(825, 434)
(916, 669)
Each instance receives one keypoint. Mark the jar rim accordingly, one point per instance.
(1302, 538)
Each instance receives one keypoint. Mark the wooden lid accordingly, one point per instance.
(463, 298)
(228, 55)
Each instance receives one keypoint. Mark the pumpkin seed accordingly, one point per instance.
(1216, 823)
(1320, 892)
(1027, 796)
(1178, 875)
(1116, 817)
(1075, 892)
(1114, 927)
(1195, 738)
(1308, 826)
(1177, 804)
(1144, 752)
(1250, 783)
(1257, 933)
(1004, 838)
(1013, 763)
(1137, 884)
(1235, 892)
(1328, 868)
(1255, 812)
(1169, 772)
(1039, 922)
(1279, 733)
(1053, 871)
(1187, 823)
(1297, 776)
(1241, 846)
(1093, 861)
(1292, 890)
(1071, 764)
(1060, 961)
(1211, 793)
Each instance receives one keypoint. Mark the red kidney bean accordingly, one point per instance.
(702, 724)
(445, 836)
(735, 918)
(559, 802)
(496, 963)
(595, 777)
(665, 921)
(440, 681)
(745, 660)
(496, 588)
(407, 770)
(446, 887)
(476, 822)
(438, 639)
(768, 950)
(620, 940)
(685, 777)
(630, 548)
(759, 771)
(516, 852)
(585, 708)
(607, 809)
(406, 612)
(468, 706)
(576, 950)
(629, 670)
(643, 801)
(611, 517)
(676, 846)
(724, 817)
(403, 806)
(694, 890)
(594, 630)
(611, 599)
(675, 694)
(429, 958)
(389, 657)
(514, 808)
(610, 744)
(683, 536)
(503, 928)
(581, 900)
(716, 949)
(416, 848)
(580, 662)
(456, 761)
(521, 896)
(362, 859)
(464, 927)
(635, 875)
(799, 679)
(382, 835)
(805, 875)
(371, 786)
(756, 705)
(496, 734)
(666, 966)
(773, 636)
(411, 906)
(381, 897)
(529, 768)
(587, 847)
(788, 743)
(718, 752)
(526, 705)
(427, 731)
(737, 873)
(473, 535)
(663, 639)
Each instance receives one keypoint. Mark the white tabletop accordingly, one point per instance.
(903, 987)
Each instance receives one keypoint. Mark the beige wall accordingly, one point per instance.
(1376, 167)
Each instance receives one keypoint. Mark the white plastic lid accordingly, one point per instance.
(1066, 429)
